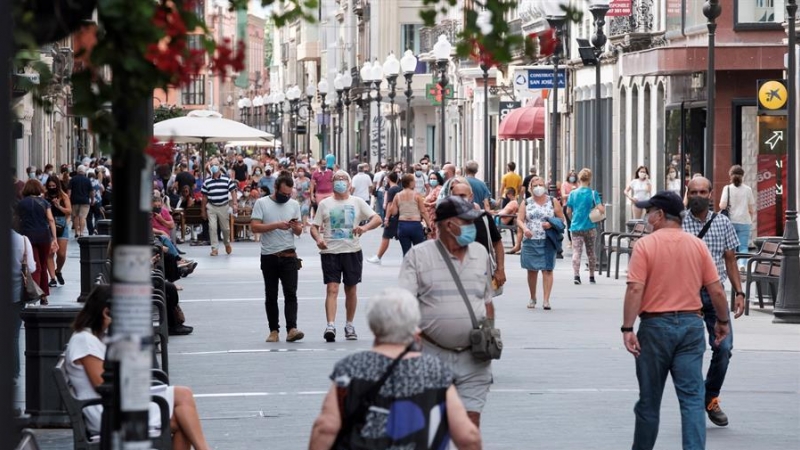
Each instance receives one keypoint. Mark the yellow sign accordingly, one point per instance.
(772, 95)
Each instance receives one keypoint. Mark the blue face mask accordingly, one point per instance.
(434, 182)
(467, 236)
(214, 169)
(340, 186)
(418, 173)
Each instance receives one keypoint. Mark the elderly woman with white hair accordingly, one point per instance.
(393, 396)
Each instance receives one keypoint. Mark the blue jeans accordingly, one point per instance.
(171, 249)
(743, 232)
(409, 233)
(379, 205)
(671, 344)
(720, 355)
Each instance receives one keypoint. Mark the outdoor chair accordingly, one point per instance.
(511, 227)
(763, 268)
(28, 441)
(624, 245)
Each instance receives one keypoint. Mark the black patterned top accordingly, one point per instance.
(410, 410)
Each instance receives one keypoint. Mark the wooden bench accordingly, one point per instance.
(82, 440)
(194, 216)
(763, 267)
(241, 224)
(621, 247)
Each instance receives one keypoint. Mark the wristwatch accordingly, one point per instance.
(724, 322)
(626, 329)
(738, 293)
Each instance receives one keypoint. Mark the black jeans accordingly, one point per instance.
(275, 269)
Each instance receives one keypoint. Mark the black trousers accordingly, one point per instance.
(172, 302)
(283, 270)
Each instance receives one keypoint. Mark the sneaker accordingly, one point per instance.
(330, 334)
(180, 330)
(228, 249)
(374, 260)
(60, 278)
(273, 336)
(715, 414)
(52, 283)
(294, 335)
(742, 268)
(350, 333)
(577, 279)
(532, 304)
(214, 252)
(591, 280)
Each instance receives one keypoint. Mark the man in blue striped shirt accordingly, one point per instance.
(219, 197)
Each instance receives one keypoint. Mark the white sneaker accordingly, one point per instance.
(350, 333)
(374, 260)
(532, 304)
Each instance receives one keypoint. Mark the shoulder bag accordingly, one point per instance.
(485, 340)
(727, 211)
(705, 228)
(31, 291)
(349, 435)
(497, 290)
(595, 215)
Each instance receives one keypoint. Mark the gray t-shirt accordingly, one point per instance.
(268, 210)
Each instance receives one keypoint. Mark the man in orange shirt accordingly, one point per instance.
(671, 336)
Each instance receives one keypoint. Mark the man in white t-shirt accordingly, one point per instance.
(378, 181)
(277, 219)
(340, 251)
(362, 184)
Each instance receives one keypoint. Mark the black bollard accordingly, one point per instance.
(94, 255)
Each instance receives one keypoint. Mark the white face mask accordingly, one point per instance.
(539, 191)
(642, 175)
(671, 175)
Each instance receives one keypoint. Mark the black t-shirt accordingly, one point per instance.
(80, 190)
(184, 179)
(240, 171)
(391, 193)
(525, 183)
(480, 235)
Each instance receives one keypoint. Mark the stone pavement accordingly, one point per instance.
(565, 380)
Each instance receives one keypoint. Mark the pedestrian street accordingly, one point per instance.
(564, 381)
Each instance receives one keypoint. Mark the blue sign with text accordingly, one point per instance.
(543, 79)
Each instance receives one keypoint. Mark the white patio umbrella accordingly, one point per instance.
(253, 144)
(203, 126)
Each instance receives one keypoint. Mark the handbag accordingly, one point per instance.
(31, 292)
(727, 211)
(595, 215)
(486, 343)
(497, 290)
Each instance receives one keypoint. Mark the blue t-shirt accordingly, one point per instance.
(330, 160)
(267, 182)
(581, 201)
(479, 191)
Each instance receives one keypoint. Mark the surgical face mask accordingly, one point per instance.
(647, 222)
(281, 198)
(642, 174)
(572, 179)
(434, 182)
(467, 236)
(539, 191)
(698, 204)
(340, 186)
(418, 173)
(32, 175)
(671, 175)
(214, 169)
(257, 172)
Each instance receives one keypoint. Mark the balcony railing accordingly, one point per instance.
(429, 35)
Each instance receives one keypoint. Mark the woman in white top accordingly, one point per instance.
(21, 249)
(673, 182)
(639, 189)
(84, 364)
(738, 199)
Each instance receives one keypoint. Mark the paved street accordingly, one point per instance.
(565, 381)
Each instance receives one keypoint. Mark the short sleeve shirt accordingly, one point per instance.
(479, 190)
(157, 225)
(512, 180)
(268, 210)
(673, 266)
(81, 345)
(581, 201)
(720, 237)
(323, 181)
(337, 219)
(444, 316)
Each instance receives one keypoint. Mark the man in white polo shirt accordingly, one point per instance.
(362, 184)
(445, 321)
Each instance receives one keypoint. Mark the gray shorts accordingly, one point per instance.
(472, 377)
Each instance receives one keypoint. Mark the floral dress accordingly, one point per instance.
(536, 254)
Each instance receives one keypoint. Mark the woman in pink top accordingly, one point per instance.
(321, 184)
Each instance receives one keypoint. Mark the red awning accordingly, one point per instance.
(524, 123)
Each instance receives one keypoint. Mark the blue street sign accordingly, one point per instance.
(543, 79)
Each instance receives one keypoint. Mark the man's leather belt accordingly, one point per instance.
(286, 254)
(454, 350)
(650, 315)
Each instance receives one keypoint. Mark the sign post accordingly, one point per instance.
(772, 131)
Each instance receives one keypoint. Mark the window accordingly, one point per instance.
(409, 38)
(760, 11)
(194, 93)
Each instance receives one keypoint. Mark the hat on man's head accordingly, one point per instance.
(455, 206)
(667, 201)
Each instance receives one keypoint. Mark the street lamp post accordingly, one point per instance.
(338, 86)
(323, 87)
(377, 79)
(487, 168)
(366, 104)
(556, 20)
(240, 104)
(712, 10)
(293, 95)
(311, 91)
(409, 65)
(278, 100)
(347, 83)
(441, 51)
(599, 8)
(391, 67)
(258, 102)
(787, 302)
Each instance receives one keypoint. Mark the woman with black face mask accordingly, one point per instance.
(61, 208)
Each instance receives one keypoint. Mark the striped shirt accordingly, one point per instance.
(218, 189)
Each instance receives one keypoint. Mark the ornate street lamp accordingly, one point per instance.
(391, 67)
(278, 99)
(293, 95)
(599, 8)
(248, 111)
(377, 79)
(366, 104)
(409, 65)
(240, 104)
(712, 10)
(347, 83)
(258, 102)
(441, 52)
(787, 302)
(311, 91)
(556, 18)
(338, 86)
(323, 87)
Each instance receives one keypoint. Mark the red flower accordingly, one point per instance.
(163, 153)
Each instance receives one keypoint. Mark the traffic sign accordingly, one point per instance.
(772, 135)
(543, 78)
(772, 96)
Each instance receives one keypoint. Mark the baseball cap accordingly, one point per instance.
(455, 206)
(667, 201)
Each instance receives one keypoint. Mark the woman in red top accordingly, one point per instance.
(321, 183)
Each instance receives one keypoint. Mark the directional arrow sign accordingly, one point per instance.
(777, 137)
